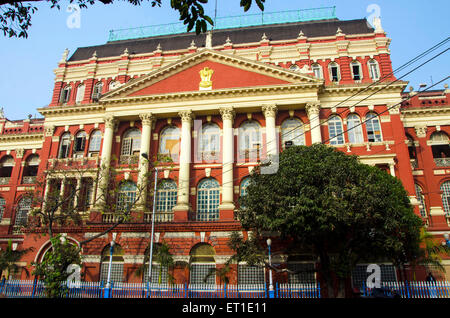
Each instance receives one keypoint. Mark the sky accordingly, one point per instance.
(27, 65)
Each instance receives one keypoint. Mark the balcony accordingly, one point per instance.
(414, 164)
(442, 162)
(4, 180)
(160, 217)
(111, 217)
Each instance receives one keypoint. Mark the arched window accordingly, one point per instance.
(2, 207)
(250, 145)
(6, 167)
(160, 274)
(354, 129)
(292, 130)
(202, 265)
(23, 209)
(445, 188)
(166, 199)
(80, 94)
(209, 143)
(208, 200)
(373, 128)
(126, 196)
(80, 144)
(30, 170)
(335, 75)
(95, 142)
(374, 70)
(356, 70)
(420, 197)
(131, 146)
(65, 94)
(64, 146)
(97, 91)
(169, 142)
(440, 148)
(116, 264)
(335, 130)
(317, 70)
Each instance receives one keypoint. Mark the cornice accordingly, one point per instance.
(346, 88)
(198, 95)
(420, 111)
(65, 110)
(22, 137)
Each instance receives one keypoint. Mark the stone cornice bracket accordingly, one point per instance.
(19, 152)
(186, 115)
(270, 110)
(394, 109)
(312, 108)
(227, 113)
(147, 118)
(110, 121)
(49, 129)
(421, 131)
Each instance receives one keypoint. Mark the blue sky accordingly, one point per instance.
(27, 64)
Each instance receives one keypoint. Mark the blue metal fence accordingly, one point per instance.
(439, 289)
(36, 289)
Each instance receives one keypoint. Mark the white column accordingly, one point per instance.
(313, 110)
(270, 112)
(105, 159)
(392, 169)
(185, 161)
(146, 120)
(227, 158)
(77, 193)
(46, 190)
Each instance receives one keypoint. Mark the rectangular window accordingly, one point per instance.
(302, 273)
(334, 74)
(356, 73)
(250, 275)
(360, 274)
(199, 274)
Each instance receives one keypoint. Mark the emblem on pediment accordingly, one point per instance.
(205, 75)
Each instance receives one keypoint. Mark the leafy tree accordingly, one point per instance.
(9, 259)
(330, 205)
(53, 268)
(15, 15)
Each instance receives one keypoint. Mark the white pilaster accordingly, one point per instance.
(185, 161)
(146, 120)
(270, 112)
(227, 158)
(313, 110)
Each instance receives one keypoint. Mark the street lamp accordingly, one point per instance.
(271, 291)
(153, 229)
(111, 252)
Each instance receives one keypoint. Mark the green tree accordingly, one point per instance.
(9, 259)
(327, 203)
(15, 15)
(53, 268)
(163, 256)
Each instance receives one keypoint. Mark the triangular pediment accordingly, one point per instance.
(209, 70)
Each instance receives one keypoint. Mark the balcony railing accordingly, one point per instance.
(111, 217)
(414, 164)
(29, 179)
(160, 217)
(4, 180)
(442, 162)
(129, 160)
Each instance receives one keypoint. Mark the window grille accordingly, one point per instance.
(250, 141)
(292, 130)
(2, 207)
(199, 273)
(126, 197)
(95, 141)
(166, 197)
(208, 200)
(360, 274)
(209, 147)
(159, 274)
(22, 212)
(355, 134)
(336, 131)
(373, 128)
(305, 273)
(421, 199)
(249, 275)
(445, 188)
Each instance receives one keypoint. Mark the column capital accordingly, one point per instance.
(227, 113)
(49, 129)
(147, 118)
(421, 131)
(312, 108)
(110, 121)
(269, 110)
(186, 115)
(394, 109)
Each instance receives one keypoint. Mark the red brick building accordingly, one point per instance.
(216, 104)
